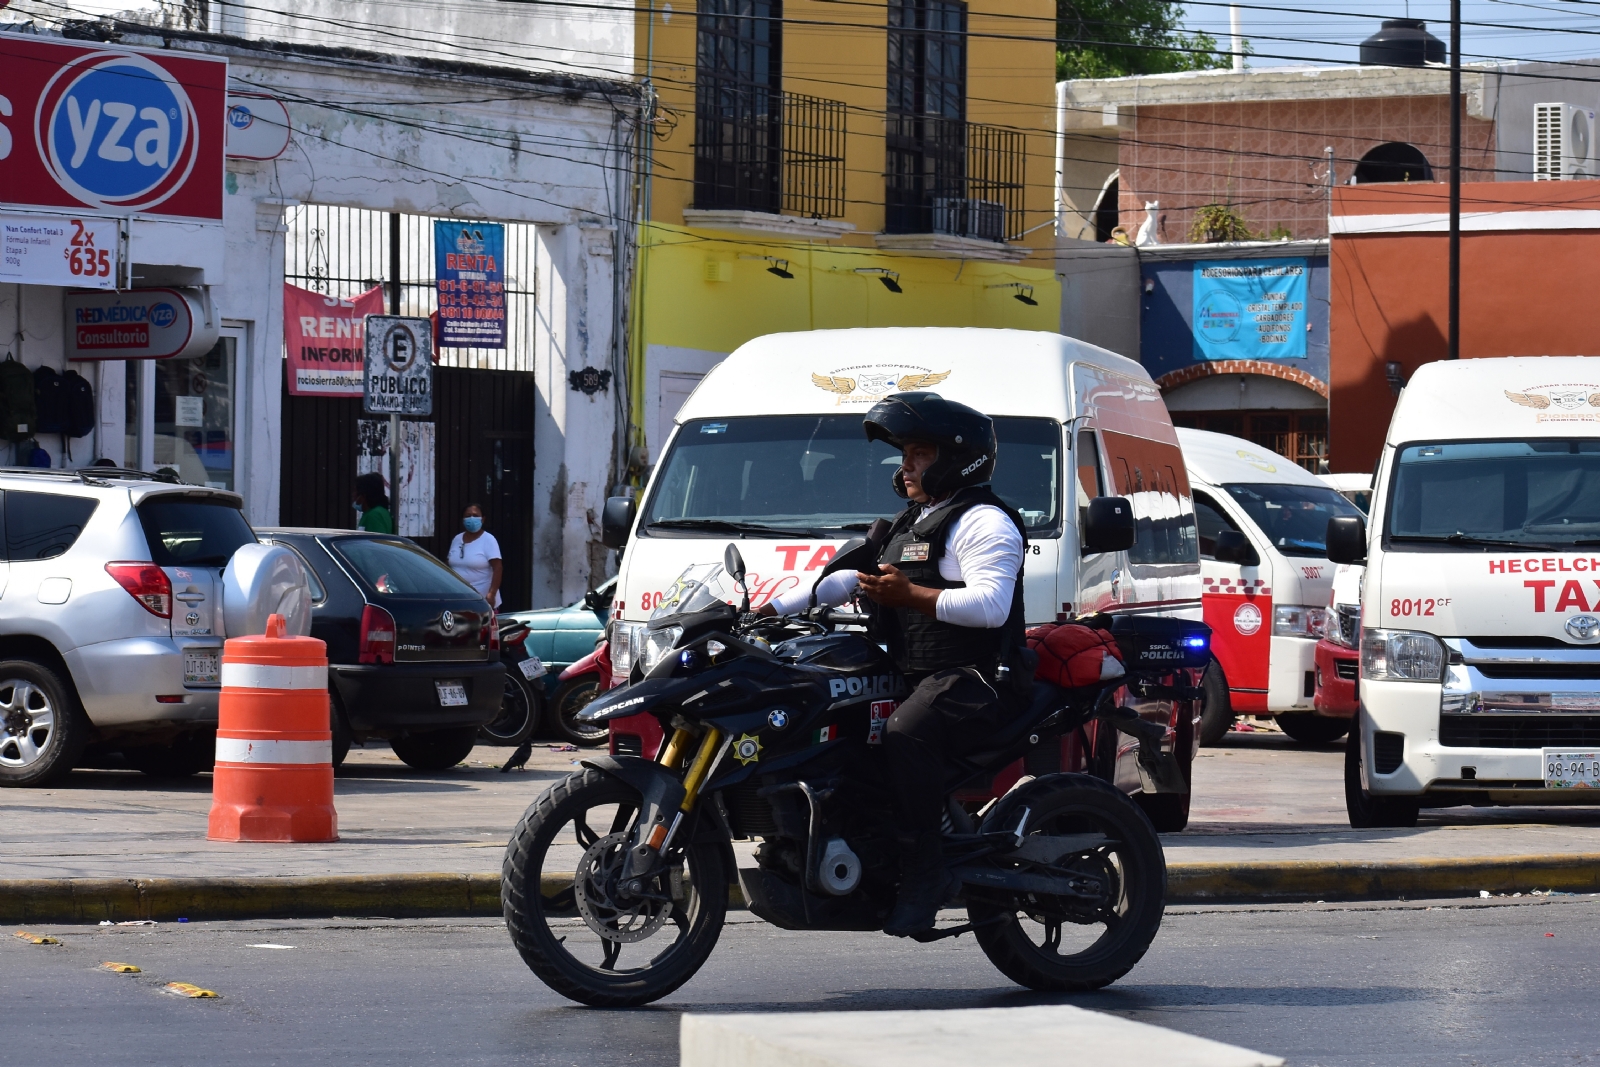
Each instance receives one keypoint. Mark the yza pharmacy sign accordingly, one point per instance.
(110, 129)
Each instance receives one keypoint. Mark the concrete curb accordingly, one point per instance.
(402, 896)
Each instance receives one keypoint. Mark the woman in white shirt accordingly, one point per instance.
(475, 556)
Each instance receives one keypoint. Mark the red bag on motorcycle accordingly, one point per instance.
(1071, 655)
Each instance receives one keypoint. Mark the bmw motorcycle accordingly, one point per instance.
(616, 881)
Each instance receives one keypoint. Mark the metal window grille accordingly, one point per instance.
(813, 156)
(738, 113)
(952, 177)
(344, 251)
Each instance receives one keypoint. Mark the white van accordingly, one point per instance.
(1266, 580)
(1480, 608)
(769, 451)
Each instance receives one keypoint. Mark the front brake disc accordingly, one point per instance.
(594, 884)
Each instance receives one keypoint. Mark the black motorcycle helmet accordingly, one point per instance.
(964, 437)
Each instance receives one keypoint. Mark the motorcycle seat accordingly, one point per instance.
(1046, 700)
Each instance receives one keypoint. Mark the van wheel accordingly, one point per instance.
(1217, 717)
(184, 757)
(435, 750)
(1309, 729)
(1366, 811)
(42, 727)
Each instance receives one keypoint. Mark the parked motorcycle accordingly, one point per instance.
(774, 729)
(522, 703)
(577, 686)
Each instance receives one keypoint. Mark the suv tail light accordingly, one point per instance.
(377, 636)
(146, 583)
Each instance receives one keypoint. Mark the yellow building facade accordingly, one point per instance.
(820, 164)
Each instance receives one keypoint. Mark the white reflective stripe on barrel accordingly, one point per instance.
(271, 676)
(244, 750)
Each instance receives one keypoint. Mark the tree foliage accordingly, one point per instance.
(1113, 38)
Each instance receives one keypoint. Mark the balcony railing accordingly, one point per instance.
(758, 150)
(951, 177)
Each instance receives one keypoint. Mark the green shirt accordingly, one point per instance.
(377, 520)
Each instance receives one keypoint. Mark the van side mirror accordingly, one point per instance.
(1108, 525)
(616, 521)
(1347, 539)
(1235, 547)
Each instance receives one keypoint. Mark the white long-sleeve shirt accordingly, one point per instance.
(983, 550)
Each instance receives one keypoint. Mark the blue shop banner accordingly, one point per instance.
(469, 266)
(1250, 309)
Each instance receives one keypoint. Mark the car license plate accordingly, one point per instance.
(1566, 768)
(451, 694)
(532, 668)
(202, 667)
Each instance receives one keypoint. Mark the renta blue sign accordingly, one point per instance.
(469, 265)
(1250, 309)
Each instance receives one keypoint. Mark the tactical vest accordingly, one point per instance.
(918, 643)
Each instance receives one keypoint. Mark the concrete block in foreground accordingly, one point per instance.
(963, 1038)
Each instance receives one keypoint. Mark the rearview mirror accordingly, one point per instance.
(1108, 525)
(1347, 539)
(616, 521)
(1235, 547)
(733, 563)
(854, 555)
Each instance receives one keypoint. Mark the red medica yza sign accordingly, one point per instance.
(119, 130)
(324, 339)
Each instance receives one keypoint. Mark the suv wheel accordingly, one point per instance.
(42, 729)
(436, 750)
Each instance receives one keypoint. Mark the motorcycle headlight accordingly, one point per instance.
(657, 643)
(1296, 620)
(1401, 656)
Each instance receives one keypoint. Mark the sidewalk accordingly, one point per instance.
(1265, 811)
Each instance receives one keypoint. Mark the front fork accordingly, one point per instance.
(645, 857)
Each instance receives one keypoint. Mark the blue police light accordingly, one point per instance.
(1195, 642)
(688, 659)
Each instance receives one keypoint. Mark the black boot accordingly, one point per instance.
(925, 884)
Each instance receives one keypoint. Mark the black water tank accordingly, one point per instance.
(1402, 43)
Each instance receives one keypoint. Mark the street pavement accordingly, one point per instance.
(1454, 984)
(1257, 796)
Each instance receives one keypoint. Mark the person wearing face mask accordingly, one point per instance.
(475, 556)
(372, 505)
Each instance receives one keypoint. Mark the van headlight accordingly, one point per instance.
(657, 643)
(1401, 656)
(1297, 620)
(627, 641)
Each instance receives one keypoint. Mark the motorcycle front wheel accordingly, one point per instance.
(559, 889)
(1066, 944)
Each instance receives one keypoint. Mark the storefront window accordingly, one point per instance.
(194, 416)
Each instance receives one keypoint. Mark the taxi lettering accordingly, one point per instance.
(1543, 565)
(817, 561)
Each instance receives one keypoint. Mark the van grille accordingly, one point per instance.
(1388, 752)
(627, 745)
(1348, 669)
(1518, 731)
(1573, 671)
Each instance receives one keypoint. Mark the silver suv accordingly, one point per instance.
(110, 619)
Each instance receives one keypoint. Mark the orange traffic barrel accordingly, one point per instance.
(273, 779)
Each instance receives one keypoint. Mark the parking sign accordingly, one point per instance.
(398, 375)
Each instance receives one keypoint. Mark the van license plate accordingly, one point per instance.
(451, 694)
(202, 667)
(1571, 768)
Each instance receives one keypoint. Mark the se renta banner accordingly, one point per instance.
(1250, 308)
(323, 340)
(111, 129)
(469, 265)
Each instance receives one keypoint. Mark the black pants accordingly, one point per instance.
(948, 714)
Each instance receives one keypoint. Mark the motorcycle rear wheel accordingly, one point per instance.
(572, 935)
(1027, 937)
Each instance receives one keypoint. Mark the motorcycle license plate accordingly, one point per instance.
(532, 668)
(202, 666)
(451, 694)
(1571, 768)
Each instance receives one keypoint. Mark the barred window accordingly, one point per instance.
(738, 105)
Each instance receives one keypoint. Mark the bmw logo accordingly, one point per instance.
(778, 719)
(447, 621)
(1583, 627)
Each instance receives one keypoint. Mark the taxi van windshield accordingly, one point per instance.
(1544, 491)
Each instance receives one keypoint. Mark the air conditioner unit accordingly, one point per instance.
(1563, 142)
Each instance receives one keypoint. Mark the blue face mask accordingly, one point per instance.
(357, 508)
(473, 523)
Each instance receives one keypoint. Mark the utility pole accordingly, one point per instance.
(1455, 180)
(394, 420)
(1238, 40)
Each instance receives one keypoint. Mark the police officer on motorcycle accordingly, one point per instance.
(948, 606)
